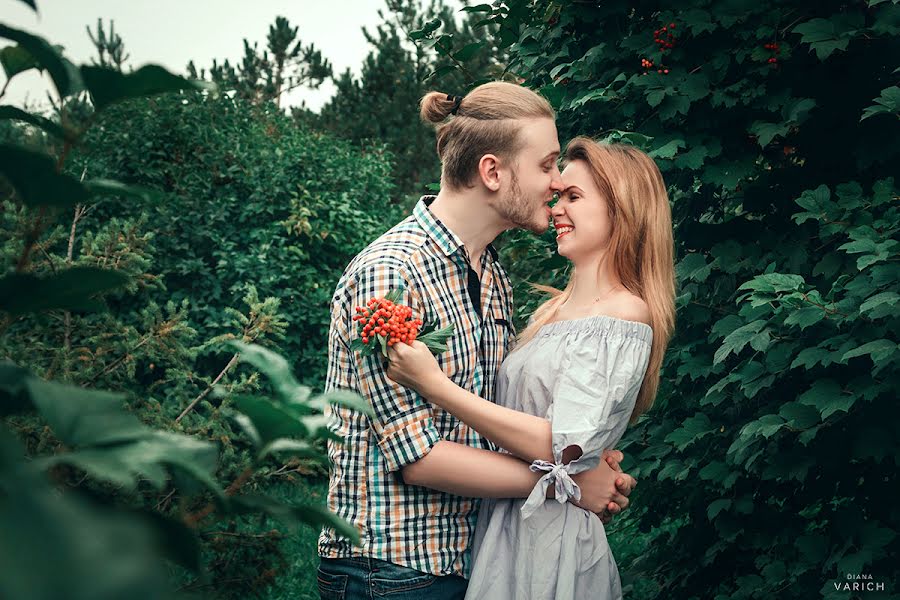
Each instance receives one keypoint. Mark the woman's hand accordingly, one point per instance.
(413, 366)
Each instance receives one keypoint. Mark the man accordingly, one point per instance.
(409, 478)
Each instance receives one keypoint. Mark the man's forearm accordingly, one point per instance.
(472, 472)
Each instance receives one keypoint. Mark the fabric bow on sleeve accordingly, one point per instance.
(559, 475)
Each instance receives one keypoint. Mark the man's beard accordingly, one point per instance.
(518, 210)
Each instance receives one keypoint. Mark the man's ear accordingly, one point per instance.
(489, 172)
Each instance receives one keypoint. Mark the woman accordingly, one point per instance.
(587, 364)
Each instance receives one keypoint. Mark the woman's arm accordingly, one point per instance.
(523, 435)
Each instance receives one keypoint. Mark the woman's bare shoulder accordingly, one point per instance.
(628, 306)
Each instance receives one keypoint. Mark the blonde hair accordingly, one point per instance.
(484, 123)
(641, 246)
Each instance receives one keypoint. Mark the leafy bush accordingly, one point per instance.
(130, 487)
(769, 459)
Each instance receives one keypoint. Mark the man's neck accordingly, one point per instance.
(471, 218)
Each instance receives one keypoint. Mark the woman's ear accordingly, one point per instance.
(489, 172)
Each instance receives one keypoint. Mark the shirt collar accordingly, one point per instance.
(446, 240)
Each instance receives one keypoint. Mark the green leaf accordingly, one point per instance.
(427, 30)
(880, 350)
(30, 3)
(11, 112)
(36, 180)
(144, 459)
(436, 341)
(714, 471)
(827, 35)
(826, 396)
(806, 316)
(656, 96)
(64, 77)
(108, 187)
(691, 430)
(107, 85)
(717, 506)
(735, 341)
(667, 150)
(810, 357)
(291, 448)
(70, 289)
(887, 103)
(292, 515)
(270, 420)
(698, 21)
(799, 416)
(766, 132)
(882, 299)
(275, 368)
(774, 282)
(82, 418)
(468, 51)
(15, 60)
(693, 267)
(395, 295)
(346, 398)
(478, 8)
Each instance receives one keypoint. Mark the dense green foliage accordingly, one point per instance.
(174, 212)
(768, 461)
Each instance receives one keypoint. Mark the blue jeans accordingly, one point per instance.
(363, 578)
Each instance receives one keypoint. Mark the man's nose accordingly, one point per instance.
(556, 183)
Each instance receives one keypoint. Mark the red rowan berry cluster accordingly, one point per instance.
(648, 64)
(775, 49)
(387, 319)
(664, 37)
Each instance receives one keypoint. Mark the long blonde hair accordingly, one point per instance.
(641, 246)
(485, 122)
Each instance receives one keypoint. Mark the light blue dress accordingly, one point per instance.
(584, 375)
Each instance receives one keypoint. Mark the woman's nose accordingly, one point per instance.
(557, 209)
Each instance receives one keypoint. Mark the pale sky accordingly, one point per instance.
(172, 32)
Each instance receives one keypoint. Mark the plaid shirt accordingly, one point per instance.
(413, 526)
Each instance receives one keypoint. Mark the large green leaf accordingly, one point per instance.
(64, 77)
(293, 515)
(144, 459)
(271, 420)
(55, 129)
(108, 187)
(276, 368)
(107, 85)
(692, 429)
(81, 417)
(15, 60)
(69, 289)
(60, 545)
(35, 178)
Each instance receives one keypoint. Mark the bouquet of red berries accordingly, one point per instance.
(383, 322)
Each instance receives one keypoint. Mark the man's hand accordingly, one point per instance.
(605, 489)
